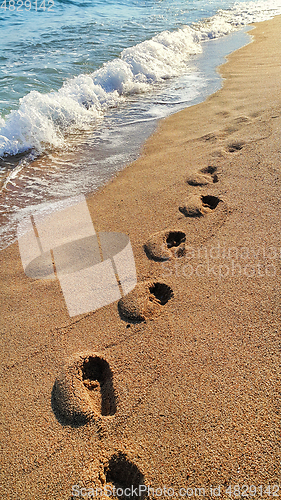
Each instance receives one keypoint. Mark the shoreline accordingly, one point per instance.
(196, 385)
(86, 173)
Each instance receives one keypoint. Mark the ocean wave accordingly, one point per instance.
(42, 120)
(241, 14)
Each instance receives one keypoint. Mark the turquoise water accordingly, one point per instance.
(41, 49)
(46, 43)
(83, 83)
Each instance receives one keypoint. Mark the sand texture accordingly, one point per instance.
(176, 384)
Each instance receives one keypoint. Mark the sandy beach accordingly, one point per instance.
(192, 379)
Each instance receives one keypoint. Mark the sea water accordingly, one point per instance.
(83, 83)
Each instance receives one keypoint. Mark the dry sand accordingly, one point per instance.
(190, 394)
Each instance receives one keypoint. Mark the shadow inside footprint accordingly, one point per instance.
(124, 475)
(211, 170)
(97, 378)
(175, 238)
(165, 245)
(205, 176)
(235, 146)
(163, 293)
(84, 390)
(198, 206)
(144, 302)
(210, 201)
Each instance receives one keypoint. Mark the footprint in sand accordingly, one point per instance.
(203, 177)
(84, 390)
(116, 477)
(123, 474)
(165, 245)
(145, 301)
(199, 205)
(235, 146)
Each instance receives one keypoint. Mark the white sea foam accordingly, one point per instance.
(43, 119)
(241, 14)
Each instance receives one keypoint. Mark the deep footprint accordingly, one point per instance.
(97, 378)
(145, 301)
(235, 146)
(203, 177)
(123, 474)
(175, 238)
(210, 201)
(163, 293)
(165, 245)
(197, 206)
(211, 170)
(84, 390)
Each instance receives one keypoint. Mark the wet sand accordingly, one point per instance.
(187, 396)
